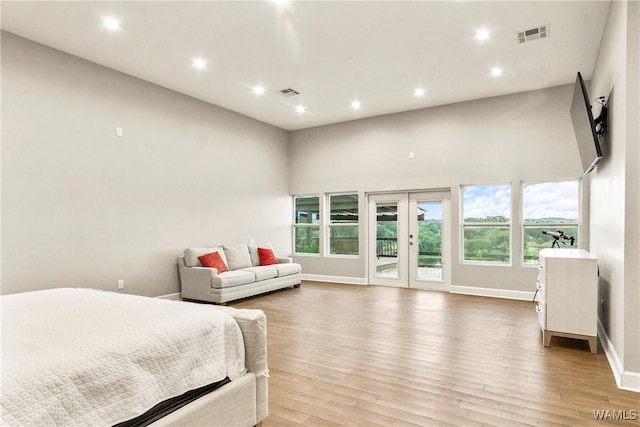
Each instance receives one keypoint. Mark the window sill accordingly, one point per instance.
(486, 264)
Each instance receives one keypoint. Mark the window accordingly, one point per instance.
(343, 224)
(486, 223)
(550, 207)
(307, 224)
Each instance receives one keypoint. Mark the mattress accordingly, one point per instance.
(89, 357)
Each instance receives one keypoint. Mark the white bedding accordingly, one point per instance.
(86, 357)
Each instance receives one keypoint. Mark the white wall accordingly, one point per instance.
(507, 139)
(82, 207)
(615, 209)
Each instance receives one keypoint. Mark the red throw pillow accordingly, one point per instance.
(214, 260)
(267, 256)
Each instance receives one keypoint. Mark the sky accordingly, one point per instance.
(551, 200)
(540, 200)
(491, 200)
(433, 210)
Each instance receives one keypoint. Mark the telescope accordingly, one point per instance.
(557, 235)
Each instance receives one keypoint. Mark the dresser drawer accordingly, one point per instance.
(542, 278)
(541, 309)
(540, 292)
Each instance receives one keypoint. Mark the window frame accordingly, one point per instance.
(329, 225)
(506, 225)
(550, 225)
(297, 225)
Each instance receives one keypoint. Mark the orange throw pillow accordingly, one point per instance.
(267, 257)
(214, 260)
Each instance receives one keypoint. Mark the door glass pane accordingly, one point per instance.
(387, 239)
(429, 241)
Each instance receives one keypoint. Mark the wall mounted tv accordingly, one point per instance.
(589, 132)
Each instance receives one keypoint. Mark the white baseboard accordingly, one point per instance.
(494, 293)
(625, 380)
(177, 296)
(334, 279)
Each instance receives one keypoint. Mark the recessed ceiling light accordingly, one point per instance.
(258, 90)
(111, 23)
(482, 34)
(199, 63)
(300, 109)
(496, 71)
(419, 92)
(356, 105)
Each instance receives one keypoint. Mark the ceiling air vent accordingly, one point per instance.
(288, 92)
(535, 33)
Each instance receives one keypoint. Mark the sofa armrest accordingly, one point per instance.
(196, 282)
(199, 272)
(284, 260)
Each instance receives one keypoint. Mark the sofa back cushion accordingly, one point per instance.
(191, 255)
(253, 252)
(237, 256)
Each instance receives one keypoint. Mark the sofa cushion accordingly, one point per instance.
(191, 255)
(263, 272)
(267, 257)
(237, 256)
(288, 269)
(229, 279)
(253, 253)
(214, 260)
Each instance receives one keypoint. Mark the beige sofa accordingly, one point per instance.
(246, 276)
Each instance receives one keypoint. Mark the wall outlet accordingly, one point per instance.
(118, 131)
(121, 284)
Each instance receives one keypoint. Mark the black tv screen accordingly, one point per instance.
(585, 127)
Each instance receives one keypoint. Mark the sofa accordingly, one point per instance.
(247, 274)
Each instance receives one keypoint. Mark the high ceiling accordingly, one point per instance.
(331, 52)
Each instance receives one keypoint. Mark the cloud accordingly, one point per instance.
(551, 200)
(484, 201)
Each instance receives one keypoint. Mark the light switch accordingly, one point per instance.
(118, 131)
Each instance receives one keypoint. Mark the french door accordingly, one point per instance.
(408, 239)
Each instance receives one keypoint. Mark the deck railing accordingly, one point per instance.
(386, 247)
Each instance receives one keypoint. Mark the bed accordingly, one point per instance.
(87, 357)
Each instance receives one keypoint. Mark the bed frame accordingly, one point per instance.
(243, 402)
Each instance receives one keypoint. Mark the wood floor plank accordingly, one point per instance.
(346, 355)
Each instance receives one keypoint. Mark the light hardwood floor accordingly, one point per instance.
(364, 356)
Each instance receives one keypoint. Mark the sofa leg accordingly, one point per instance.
(296, 286)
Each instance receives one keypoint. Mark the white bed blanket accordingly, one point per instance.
(84, 357)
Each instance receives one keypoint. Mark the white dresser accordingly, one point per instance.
(567, 295)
